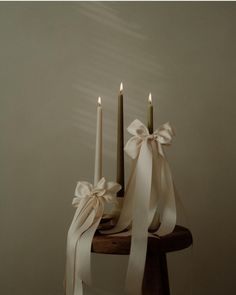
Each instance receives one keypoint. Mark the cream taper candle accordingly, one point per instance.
(98, 147)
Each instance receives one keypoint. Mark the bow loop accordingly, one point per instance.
(164, 134)
(137, 128)
(82, 191)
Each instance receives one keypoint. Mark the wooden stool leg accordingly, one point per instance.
(155, 281)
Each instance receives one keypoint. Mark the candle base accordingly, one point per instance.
(109, 220)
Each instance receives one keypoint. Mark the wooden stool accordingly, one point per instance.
(155, 281)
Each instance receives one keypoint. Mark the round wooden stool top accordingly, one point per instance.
(155, 280)
(180, 238)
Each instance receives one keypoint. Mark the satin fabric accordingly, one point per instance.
(89, 201)
(149, 203)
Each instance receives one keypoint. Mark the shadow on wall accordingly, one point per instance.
(106, 29)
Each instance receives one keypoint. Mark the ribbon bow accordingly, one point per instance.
(149, 202)
(102, 192)
(89, 201)
(163, 136)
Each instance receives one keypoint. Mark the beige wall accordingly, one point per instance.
(55, 59)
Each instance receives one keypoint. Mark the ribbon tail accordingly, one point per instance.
(84, 250)
(125, 218)
(140, 224)
(156, 189)
(168, 214)
(82, 206)
(72, 237)
(154, 199)
(79, 224)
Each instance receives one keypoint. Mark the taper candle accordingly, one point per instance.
(150, 114)
(120, 173)
(98, 147)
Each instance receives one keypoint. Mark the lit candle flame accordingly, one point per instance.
(121, 87)
(99, 101)
(150, 98)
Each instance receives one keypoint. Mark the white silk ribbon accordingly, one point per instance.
(149, 202)
(89, 201)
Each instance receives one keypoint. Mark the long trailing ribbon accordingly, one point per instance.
(89, 201)
(149, 202)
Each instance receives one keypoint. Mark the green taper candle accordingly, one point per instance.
(120, 173)
(150, 114)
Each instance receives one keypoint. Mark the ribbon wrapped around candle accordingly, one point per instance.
(149, 203)
(89, 201)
